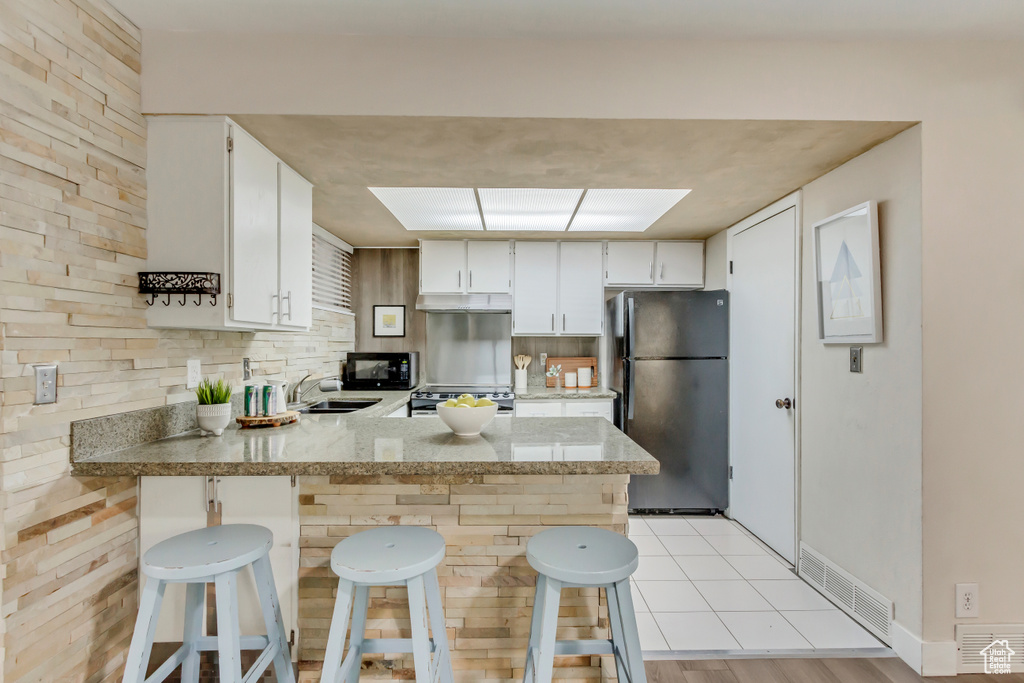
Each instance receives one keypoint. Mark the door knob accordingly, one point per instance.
(783, 403)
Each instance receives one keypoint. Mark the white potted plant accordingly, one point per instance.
(214, 410)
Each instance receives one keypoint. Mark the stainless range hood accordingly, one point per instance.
(474, 303)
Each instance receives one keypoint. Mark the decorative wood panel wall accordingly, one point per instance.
(388, 277)
(556, 347)
(72, 238)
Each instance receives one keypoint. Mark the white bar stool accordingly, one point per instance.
(212, 555)
(388, 556)
(583, 557)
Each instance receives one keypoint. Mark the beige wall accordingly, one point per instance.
(716, 261)
(860, 469)
(972, 144)
(72, 238)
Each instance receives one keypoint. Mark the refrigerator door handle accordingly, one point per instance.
(630, 392)
(629, 327)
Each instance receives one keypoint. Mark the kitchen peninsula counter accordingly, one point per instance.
(356, 445)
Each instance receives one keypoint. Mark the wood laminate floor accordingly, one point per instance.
(890, 670)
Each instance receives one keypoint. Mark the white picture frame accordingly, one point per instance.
(848, 277)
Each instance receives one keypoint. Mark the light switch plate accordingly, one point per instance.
(856, 359)
(195, 373)
(46, 383)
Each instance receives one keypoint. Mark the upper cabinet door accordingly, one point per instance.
(630, 263)
(489, 266)
(535, 288)
(296, 247)
(580, 294)
(254, 247)
(680, 264)
(443, 267)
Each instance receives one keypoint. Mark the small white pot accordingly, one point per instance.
(213, 418)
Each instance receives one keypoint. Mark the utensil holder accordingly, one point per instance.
(520, 379)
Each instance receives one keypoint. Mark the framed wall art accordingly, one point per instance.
(389, 321)
(848, 276)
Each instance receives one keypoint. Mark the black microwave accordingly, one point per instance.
(382, 370)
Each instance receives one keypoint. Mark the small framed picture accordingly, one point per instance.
(848, 276)
(389, 321)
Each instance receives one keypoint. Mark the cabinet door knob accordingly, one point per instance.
(783, 403)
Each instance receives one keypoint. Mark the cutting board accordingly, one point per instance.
(571, 365)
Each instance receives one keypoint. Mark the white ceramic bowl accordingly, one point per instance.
(467, 421)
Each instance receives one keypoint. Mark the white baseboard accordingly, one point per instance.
(926, 659)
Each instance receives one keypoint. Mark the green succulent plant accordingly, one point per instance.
(211, 393)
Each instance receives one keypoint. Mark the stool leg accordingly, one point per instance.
(194, 605)
(530, 670)
(630, 635)
(336, 636)
(228, 645)
(271, 606)
(355, 640)
(548, 629)
(145, 629)
(442, 656)
(615, 622)
(420, 637)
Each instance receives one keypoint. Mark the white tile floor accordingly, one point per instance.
(706, 583)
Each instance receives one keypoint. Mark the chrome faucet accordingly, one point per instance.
(298, 393)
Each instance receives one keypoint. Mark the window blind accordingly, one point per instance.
(332, 275)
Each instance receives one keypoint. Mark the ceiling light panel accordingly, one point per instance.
(528, 208)
(431, 208)
(623, 210)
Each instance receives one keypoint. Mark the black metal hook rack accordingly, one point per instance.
(167, 284)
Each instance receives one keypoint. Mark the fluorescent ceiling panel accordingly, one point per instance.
(518, 208)
(623, 210)
(431, 208)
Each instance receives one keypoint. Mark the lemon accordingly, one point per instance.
(467, 401)
(450, 403)
(484, 402)
(465, 396)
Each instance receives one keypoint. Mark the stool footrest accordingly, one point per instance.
(265, 659)
(382, 645)
(209, 643)
(584, 647)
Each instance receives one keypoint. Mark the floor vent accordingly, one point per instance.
(976, 641)
(868, 607)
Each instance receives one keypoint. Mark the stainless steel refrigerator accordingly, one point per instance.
(669, 354)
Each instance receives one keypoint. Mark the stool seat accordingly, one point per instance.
(387, 555)
(207, 552)
(583, 556)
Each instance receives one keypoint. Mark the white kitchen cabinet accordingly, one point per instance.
(172, 505)
(296, 249)
(575, 407)
(442, 266)
(220, 202)
(580, 293)
(465, 267)
(679, 264)
(400, 412)
(534, 296)
(489, 267)
(630, 263)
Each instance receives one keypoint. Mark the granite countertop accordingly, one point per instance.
(365, 444)
(539, 392)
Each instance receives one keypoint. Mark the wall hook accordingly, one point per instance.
(152, 300)
(213, 299)
(168, 302)
(184, 299)
(199, 300)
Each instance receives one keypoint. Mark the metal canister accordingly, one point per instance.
(252, 400)
(268, 400)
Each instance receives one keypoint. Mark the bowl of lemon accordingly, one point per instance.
(465, 415)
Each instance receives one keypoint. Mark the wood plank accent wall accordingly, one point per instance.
(555, 347)
(388, 277)
(486, 584)
(72, 238)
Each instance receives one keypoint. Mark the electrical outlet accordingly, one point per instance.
(195, 373)
(968, 602)
(543, 360)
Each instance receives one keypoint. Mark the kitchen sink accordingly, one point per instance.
(339, 406)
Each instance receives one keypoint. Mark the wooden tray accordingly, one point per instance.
(285, 418)
(571, 365)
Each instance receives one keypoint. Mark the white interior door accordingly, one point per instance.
(762, 494)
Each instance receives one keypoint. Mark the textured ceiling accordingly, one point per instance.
(636, 19)
(733, 167)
